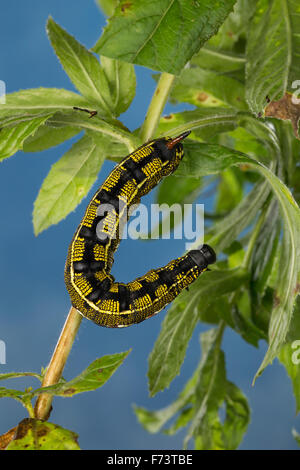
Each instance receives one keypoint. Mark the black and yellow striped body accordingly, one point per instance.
(92, 289)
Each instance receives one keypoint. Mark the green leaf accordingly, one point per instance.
(169, 350)
(296, 436)
(153, 421)
(266, 136)
(289, 354)
(202, 87)
(243, 320)
(96, 375)
(272, 51)
(68, 181)
(39, 101)
(110, 131)
(13, 375)
(286, 290)
(211, 386)
(204, 122)
(286, 358)
(122, 83)
(235, 253)
(113, 149)
(224, 232)
(108, 6)
(47, 137)
(264, 254)
(25, 112)
(11, 393)
(230, 190)
(218, 309)
(220, 61)
(212, 391)
(199, 402)
(244, 141)
(287, 287)
(204, 159)
(235, 311)
(237, 417)
(81, 65)
(161, 35)
(173, 190)
(223, 52)
(234, 28)
(12, 138)
(35, 434)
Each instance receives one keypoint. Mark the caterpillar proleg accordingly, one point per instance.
(93, 290)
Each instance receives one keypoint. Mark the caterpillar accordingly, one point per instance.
(92, 289)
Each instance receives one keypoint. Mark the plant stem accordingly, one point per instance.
(156, 106)
(57, 363)
(29, 407)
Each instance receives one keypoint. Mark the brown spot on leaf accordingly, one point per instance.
(229, 33)
(170, 116)
(286, 109)
(42, 431)
(100, 370)
(202, 96)
(244, 167)
(69, 391)
(297, 288)
(126, 6)
(276, 300)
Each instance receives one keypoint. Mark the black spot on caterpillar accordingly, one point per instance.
(93, 290)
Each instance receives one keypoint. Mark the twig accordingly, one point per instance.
(91, 113)
(57, 363)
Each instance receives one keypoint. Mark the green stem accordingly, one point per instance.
(156, 106)
(29, 407)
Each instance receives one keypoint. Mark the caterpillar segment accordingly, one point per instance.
(93, 290)
(127, 304)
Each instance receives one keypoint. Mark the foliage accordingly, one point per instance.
(234, 58)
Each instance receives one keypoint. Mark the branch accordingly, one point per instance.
(57, 363)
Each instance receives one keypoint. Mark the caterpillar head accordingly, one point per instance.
(203, 256)
(170, 151)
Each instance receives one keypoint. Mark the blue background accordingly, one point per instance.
(34, 301)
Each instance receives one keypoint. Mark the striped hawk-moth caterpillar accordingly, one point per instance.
(93, 290)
